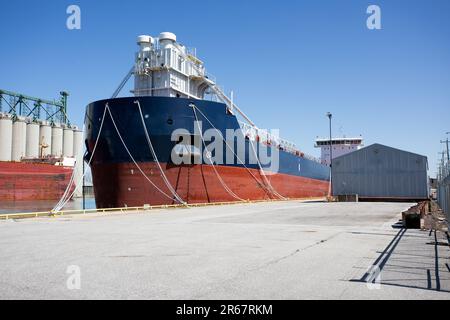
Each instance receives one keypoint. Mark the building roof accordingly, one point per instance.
(379, 146)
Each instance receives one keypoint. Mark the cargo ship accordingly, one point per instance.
(181, 139)
(38, 148)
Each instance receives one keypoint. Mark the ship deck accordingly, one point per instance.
(278, 250)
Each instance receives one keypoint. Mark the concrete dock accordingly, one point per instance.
(277, 250)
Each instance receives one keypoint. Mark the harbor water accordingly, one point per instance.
(43, 205)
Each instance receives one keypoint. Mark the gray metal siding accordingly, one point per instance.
(381, 172)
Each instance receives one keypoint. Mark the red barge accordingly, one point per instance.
(38, 148)
(24, 181)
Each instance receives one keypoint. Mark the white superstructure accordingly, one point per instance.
(339, 147)
(166, 68)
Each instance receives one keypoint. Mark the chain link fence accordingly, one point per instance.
(443, 193)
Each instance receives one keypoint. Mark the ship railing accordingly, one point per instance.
(191, 51)
(210, 76)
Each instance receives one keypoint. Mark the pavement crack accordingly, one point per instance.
(275, 261)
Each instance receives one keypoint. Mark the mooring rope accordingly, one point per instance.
(230, 192)
(263, 174)
(65, 199)
(132, 158)
(270, 188)
(166, 181)
(61, 203)
(66, 191)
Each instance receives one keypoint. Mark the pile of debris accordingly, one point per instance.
(426, 215)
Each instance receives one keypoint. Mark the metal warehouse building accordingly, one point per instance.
(381, 172)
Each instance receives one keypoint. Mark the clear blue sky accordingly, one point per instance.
(288, 62)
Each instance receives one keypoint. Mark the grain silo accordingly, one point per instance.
(57, 141)
(32, 144)
(19, 139)
(68, 142)
(45, 139)
(77, 142)
(5, 137)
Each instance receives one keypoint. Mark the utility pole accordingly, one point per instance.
(441, 167)
(446, 141)
(448, 152)
(446, 166)
(330, 116)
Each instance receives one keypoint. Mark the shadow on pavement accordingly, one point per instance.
(413, 259)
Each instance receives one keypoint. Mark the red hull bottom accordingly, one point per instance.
(121, 185)
(32, 181)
